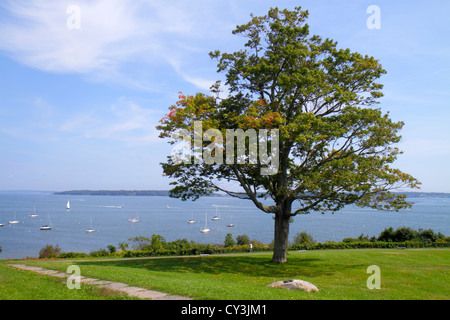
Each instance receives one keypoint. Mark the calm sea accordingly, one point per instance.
(168, 217)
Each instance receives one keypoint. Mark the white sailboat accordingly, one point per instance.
(135, 219)
(216, 217)
(68, 205)
(231, 223)
(15, 221)
(192, 219)
(48, 226)
(34, 214)
(205, 229)
(90, 229)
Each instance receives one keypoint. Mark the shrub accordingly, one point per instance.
(429, 235)
(303, 238)
(72, 255)
(140, 242)
(123, 246)
(398, 235)
(229, 241)
(157, 243)
(99, 253)
(361, 238)
(49, 251)
(242, 240)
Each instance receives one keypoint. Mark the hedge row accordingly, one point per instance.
(371, 245)
(199, 249)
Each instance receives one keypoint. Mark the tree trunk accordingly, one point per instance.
(281, 238)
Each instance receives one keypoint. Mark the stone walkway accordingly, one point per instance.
(141, 293)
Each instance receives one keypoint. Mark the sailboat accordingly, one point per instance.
(135, 219)
(90, 229)
(34, 214)
(205, 229)
(216, 217)
(48, 226)
(192, 219)
(68, 205)
(14, 221)
(231, 223)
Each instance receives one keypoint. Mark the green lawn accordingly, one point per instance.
(339, 274)
(24, 285)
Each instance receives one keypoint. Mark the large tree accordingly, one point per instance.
(333, 147)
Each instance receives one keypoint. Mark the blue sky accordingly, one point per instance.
(78, 107)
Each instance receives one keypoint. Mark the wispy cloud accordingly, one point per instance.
(112, 34)
(123, 121)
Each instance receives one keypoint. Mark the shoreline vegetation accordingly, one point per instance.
(401, 238)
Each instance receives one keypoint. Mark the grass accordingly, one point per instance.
(339, 274)
(24, 285)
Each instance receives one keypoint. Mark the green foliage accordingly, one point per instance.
(157, 243)
(389, 238)
(303, 238)
(50, 251)
(139, 242)
(361, 238)
(123, 246)
(99, 253)
(73, 255)
(242, 240)
(408, 234)
(229, 241)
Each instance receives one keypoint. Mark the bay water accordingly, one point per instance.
(168, 217)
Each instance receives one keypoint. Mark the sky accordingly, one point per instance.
(84, 82)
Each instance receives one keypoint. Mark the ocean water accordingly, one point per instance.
(168, 217)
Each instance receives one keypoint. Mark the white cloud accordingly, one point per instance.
(42, 39)
(112, 34)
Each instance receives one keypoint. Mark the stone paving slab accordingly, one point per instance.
(141, 293)
(115, 286)
(51, 272)
(148, 294)
(171, 298)
(61, 275)
(25, 267)
(100, 282)
(87, 280)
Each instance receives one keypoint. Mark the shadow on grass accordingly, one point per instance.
(257, 265)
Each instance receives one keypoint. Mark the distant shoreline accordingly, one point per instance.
(144, 193)
(165, 193)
